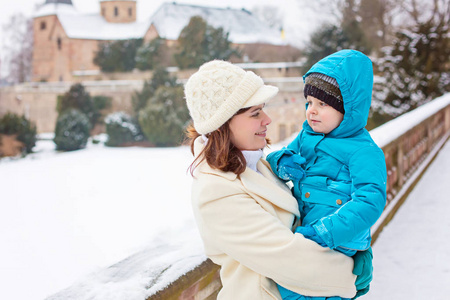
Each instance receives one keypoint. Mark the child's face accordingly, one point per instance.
(321, 117)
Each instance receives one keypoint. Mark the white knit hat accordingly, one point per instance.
(219, 89)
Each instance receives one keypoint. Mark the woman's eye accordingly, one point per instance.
(255, 115)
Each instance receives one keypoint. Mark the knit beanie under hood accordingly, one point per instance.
(324, 88)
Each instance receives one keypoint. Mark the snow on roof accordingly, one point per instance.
(91, 26)
(81, 27)
(242, 25)
(169, 20)
(59, 1)
(49, 9)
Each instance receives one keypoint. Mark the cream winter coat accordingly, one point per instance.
(245, 222)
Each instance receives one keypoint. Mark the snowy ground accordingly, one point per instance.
(65, 215)
(411, 256)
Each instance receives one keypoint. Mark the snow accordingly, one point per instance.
(67, 215)
(411, 257)
(116, 223)
(390, 131)
(54, 9)
(79, 26)
(243, 27)
(169, 20)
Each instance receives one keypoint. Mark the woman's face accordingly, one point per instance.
(248, 130)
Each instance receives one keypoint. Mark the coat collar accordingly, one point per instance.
(269, 187)
(265, 185)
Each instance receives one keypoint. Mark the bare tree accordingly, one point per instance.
(18, 47)
(269, 14)
(421, 11)
(379, 19)
(332, 9)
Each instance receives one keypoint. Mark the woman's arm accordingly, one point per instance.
(234, 223)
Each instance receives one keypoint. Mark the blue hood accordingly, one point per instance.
(354, 74)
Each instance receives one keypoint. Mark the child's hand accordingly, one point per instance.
(309, 233)
(363, 269)
(290, 167)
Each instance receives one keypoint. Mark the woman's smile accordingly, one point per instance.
(262, 133)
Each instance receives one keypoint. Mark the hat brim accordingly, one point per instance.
(262, 95)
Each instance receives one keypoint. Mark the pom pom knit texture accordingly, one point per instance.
(218, 90)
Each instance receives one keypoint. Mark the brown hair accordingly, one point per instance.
(220, 153)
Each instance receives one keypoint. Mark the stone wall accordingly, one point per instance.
(37, 101)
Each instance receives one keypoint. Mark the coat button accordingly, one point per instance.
(307, 195)
(338, 201)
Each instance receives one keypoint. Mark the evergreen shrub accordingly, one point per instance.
(122, 129)
(414, 69)
(200, 42)
(78, 98)
(164, 119)
(160, 77)
(72, 130)
(117, 56)
(11, 124)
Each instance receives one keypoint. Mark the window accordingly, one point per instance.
(130, 12)
(116, 11)
(43, 25)
(59, 43)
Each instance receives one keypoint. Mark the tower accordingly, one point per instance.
(118, 11)
(50, 49)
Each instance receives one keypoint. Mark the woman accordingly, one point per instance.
(245, 215)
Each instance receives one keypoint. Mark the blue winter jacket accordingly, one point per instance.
(344, 191)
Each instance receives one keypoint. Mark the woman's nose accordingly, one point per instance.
(266, 120)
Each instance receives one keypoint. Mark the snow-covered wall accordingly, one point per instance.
(392, 130)
(402, 132)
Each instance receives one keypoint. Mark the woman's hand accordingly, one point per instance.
(363, 269)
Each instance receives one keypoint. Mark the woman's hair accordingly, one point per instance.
(219, 152)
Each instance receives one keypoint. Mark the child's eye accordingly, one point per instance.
(323, 104)
(255, 114)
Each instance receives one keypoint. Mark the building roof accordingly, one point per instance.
(242, 25)
(169, 20)
(49, 9)
(91, 26)
(59, 1)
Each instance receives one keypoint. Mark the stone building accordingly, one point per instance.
(65, 40)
